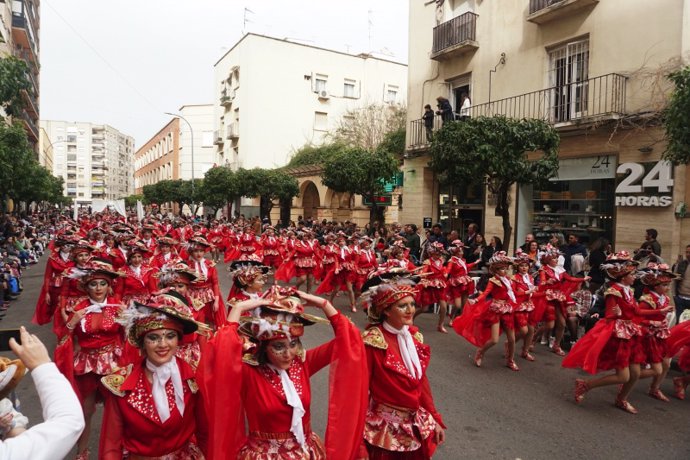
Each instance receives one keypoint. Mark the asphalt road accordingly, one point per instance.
(491, 413)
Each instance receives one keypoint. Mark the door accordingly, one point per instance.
(568, 74)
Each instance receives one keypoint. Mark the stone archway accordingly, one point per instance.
(310, 201)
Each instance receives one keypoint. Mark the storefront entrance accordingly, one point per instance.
(460, 206)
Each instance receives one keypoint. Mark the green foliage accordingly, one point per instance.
(366, 127)
(314, 155)
(220, 186)
(394, 142)
(676, 119)
(131, 200)
(361, 172)
(268, 185)
(493, 150)
(13, 79)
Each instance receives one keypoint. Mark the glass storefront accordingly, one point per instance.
(459, 206)
(579, 201)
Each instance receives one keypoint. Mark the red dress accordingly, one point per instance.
(615, 341)
(365, 262)
(52, 283)
(679, 345)
(328, 258)
(271, 251)
(403, 263)
(342, 271)
(476, 319)
(71, 294)
(116, 256)
(249, 248)
(301, 262)
(131, 423)
(654, 326)
(524, 306)
(459, 281)
(402, 417)
(231, 244)
(433, 286)
(556, 285)
(256, 392)
(100, 347)
(205, 292)
(137, 287)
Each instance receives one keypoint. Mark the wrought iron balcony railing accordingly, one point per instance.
(585, 101)
(454, 32)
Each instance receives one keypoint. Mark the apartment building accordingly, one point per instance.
(45, 150)
(96, 161)
(274, 96)
(182, 149)
(594, 71)
(19, 36)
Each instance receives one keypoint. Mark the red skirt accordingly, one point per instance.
(456, 292)
(521, 319)
(272, 260)
(335, 280)
(655, 349)
(601, 349)
(475, 322)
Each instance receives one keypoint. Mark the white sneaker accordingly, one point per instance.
(551, 341)
(544, 340)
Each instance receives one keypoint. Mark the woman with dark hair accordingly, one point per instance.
(598, 252)
(495, 245)
(402, 421)
(434, 285)
(260, 371)
(205, 292)
(138, 282)
(154, 408)
(615, 342)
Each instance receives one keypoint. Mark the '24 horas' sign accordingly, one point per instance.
(645, 184)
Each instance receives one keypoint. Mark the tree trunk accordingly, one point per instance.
(285, 211)
(503, 210)
(265, 206)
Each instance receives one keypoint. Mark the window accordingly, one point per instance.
(320, 121)
(320, 82)
(349, 88)
(568, 74)
(391, 95)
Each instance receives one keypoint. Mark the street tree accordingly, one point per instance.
(363, 172)
(269, 185)
(131, 200)
(219, 187)
(314, 155)
(494, 151)
(13, 80)
(366, 127)
(676, 119)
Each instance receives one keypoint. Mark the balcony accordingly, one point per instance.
(31, 104)
(566, 107)
(233, 130)
(30, 127)
(22, 31)
(217, 138)
(455, 37)
(543, 11)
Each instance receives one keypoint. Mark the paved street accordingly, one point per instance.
(491, 413)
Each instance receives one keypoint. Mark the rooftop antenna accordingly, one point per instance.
(244, 23)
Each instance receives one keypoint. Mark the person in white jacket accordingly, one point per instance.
(64, 421)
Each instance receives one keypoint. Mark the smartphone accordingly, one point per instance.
(5, 336)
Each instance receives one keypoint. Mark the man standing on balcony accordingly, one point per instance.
(444, 109)
(428, 118)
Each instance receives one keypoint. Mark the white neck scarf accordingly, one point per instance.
(558, 270)
(408, 351)
(95, 307)
(161, 375)
(201, 267)
(65, 256)
(137, 270)
(509, 287)
(293, 401)
(627, 291)
(251, 295)
(460, 262)
(527, 280)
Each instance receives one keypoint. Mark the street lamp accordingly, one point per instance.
(191, 132)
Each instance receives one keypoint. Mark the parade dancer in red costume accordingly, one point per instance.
(248, 247)
(653, 306)
(341, 275)
(433, 285)
(615, 341)
(138, 282)
(49, 297)
(300, 263)
(165, 252)
(154, 409)
(557, 285)
(248, 280)
(270, 385)
(271, 248)
(365, 263)
(525, 290)
(328, 257)
(92, 343)
(72, 290)
(460, 285)
(483, 318)
(205, 292)
(679, 345)
(177, 277)
(402, 421)
(398, 258)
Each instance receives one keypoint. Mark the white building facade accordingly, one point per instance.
(273, 96)
(96, 161)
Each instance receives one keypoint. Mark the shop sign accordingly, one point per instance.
(645, 184)
(427, 222)
(598, 167)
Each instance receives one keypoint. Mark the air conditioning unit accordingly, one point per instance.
(323, 94)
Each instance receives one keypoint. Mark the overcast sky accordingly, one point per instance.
(125, 62)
